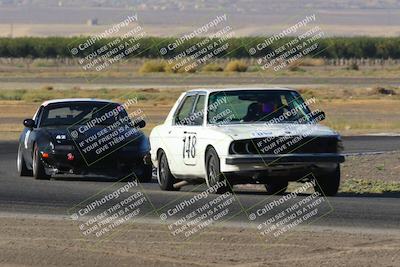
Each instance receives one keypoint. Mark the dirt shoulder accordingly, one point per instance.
(383, 167)
(47, 242)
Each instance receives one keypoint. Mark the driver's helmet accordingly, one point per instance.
(271, 105)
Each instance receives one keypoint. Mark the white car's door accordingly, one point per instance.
(186, 126)
(193, 131)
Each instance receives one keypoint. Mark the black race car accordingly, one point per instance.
(84, 136)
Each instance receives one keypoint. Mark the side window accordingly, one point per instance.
(198, 113)
(284, 100)
(182, 117)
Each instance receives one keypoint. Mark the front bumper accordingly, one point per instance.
(120, 160)
(307, 158)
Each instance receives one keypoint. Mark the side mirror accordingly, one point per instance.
(29, 123)
(318, 115)
(140, 124)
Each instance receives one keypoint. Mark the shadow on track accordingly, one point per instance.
(92, 178)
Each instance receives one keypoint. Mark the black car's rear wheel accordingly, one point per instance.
(38, 167)
(213, 172)
(21, 164)
(165, 178)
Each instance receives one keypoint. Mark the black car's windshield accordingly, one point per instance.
(252, 106)
(71, 113)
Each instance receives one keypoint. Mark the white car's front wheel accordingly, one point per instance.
(213, 172)
(328, 182)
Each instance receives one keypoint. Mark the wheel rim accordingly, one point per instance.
(34, 163)
(212, 173)
(19, 163)
(162, 172)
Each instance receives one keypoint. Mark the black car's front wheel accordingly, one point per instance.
(37, 166)
(21, 164)
(147, 174)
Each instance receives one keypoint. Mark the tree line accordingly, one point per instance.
(150, 47)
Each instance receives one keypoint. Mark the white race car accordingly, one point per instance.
(240, 136)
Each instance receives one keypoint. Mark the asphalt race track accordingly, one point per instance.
(24, 195)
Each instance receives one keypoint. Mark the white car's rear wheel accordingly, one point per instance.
(164, 176)
(213, 172)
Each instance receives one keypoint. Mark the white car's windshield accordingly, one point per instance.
(252, 106)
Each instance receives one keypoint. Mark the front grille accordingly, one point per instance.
(285, 145)
(69, 148)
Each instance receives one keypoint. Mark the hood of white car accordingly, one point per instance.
(260, 130)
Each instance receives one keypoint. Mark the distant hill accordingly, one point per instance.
(239, 5)
(175, 17)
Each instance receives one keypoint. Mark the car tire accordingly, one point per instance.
(328, 182)
(213, 172)
(21, 164)
(147, 174)
(276, 187)
(164, 176)
(37, 166)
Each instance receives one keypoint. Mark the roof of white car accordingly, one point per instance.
(74, 100)
(239, 89)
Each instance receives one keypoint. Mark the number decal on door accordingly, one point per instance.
(189, 146)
